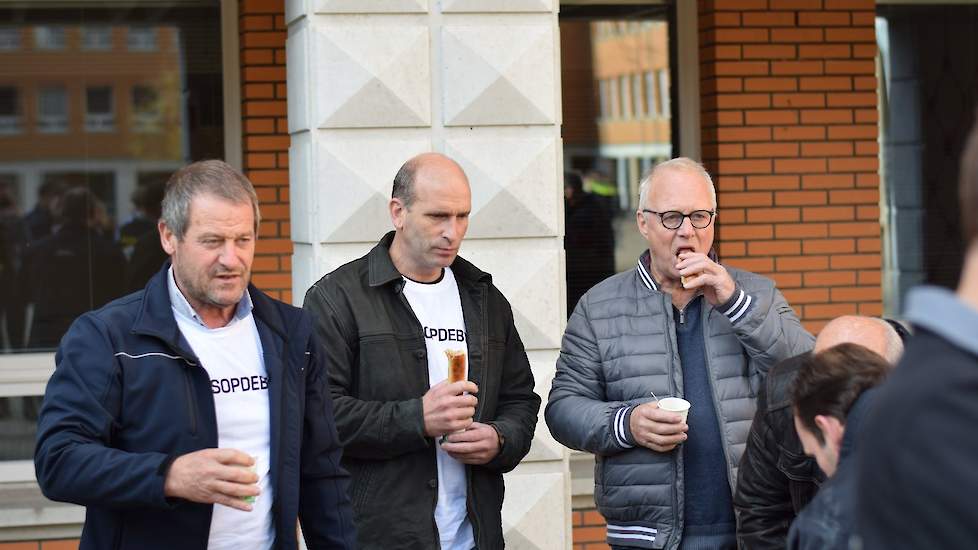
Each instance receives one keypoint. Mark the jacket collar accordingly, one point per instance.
(858, 411)
(644, 273)
(381, 270)
(155, 317)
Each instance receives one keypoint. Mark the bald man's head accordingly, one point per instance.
(425, 165)
(870, 332)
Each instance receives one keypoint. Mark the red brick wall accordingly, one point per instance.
(589, 530)
(789, 127)
(70, 544)
(265, 138)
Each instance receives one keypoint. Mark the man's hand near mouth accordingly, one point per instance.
(696, 270)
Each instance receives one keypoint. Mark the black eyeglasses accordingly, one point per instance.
(700, 219)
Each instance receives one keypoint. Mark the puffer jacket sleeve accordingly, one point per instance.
(578, 414)
(378, 430)
(73, 457)
(765, 324)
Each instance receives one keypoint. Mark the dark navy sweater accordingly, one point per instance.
(708, 505)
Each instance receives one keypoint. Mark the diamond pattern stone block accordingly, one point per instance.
(527, 272)
(352, 178)
(534, 512)
(373, 6)
(509, 6)
(514, 192)
(367, 74)
(301, 206)
(297, 78)
(544, 447)
(499, 74)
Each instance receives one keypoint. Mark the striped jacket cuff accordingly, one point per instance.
(620, 427)
(737, 306)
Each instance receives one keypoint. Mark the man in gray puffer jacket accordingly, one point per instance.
(679, 324)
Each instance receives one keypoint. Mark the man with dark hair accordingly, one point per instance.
(917, 468)
(196, 413)
(830, 397)
(433, 390)
(776, 479)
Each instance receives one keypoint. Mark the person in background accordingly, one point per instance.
(589, 241)
(830, 396)
(776, 478)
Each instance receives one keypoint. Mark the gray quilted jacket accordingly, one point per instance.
(620, 345)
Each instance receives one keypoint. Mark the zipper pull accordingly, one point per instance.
(682, 316)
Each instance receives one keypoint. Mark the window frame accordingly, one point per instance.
(27, 374)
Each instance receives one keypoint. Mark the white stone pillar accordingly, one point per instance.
(372, 84)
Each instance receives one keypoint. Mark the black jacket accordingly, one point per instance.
(378, 371)
(917, 480)
(128, 396)
(776, 479)
(829, 519)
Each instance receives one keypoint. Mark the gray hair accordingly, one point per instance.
(207, 177)
(678, 163)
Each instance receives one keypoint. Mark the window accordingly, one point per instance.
(49, 37)
(52, 110)
(10, 119)
(146, 115)
(97, 38)
(615, 99)
(604, 99)
(9, 39)
(99, 111)
(625, 88)
(637, 95)
(650, 87)
(664, 109)
(141, 39)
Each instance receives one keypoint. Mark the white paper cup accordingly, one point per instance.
(676, 405)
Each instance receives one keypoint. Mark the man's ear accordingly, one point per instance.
(832, 430)
(167, 239)
(397, 212)
(642, 222)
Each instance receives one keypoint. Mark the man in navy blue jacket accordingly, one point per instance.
(195, 413)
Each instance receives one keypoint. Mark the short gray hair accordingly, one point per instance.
(678, 163)
(206, 177)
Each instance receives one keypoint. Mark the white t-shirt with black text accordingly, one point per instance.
(439, 310)
(232, 356)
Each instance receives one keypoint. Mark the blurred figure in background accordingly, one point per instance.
(72, 271)
(589, 241)
(147, 256)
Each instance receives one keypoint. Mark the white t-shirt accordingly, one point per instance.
(232, 357)
(439, 309)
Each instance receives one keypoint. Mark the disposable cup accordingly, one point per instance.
(676, 405)
(250, 499)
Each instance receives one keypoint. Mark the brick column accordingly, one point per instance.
(789, 125)
(265, 140)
